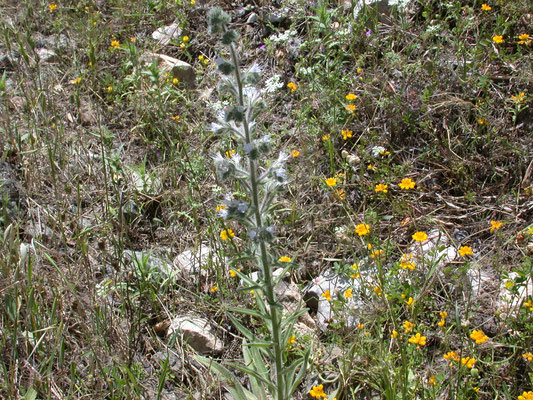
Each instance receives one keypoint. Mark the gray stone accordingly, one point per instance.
(289, 295)
(336, 285)
(509, 303)
(179, 69)
(252, 19)
(383, 8)
(197, 332)
(46, 56)
(165, 34)
(175, 364)
(194, 263)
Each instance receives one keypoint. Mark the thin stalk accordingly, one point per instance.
(267, 268)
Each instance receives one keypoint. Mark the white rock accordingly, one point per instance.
(165, 34)
(179, 69)
(47, 56)
(509, 303)
(435, 250)
(195, 262)
(197, 332)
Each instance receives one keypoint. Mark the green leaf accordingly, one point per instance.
(250, 355)
(229, 381)
(248, 312)
(303, 369)
(254, 374)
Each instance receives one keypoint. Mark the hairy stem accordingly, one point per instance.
(275, 314)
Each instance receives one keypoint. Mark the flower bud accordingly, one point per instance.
(217, 19)
(229, 37)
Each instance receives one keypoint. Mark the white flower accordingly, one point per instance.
(377, 150)
(272, 84)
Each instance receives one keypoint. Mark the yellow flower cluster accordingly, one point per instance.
(418, 339)
(285, 259)
(380, 187)
(494, 225)
(362, 229)
(406, 263)
(528, 356)
(498, 39)
(526, 396)
(486, 7)
(346, 134)
(479, 336)
(292, 86)
(327, 295)
(406, 184)
(317, 392)
(465, 251)
(350, 107)
(420, 236)
(408, 326)
(443, 316)
(226, 234)
(115, 44)
(331, 182)
(519, 97)
(524, 39)
(52, 7)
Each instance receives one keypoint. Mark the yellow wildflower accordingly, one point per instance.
(377, 254)
(377, 290)
(175, 81)
(230, 153)
(406, 184)
(331, 182)
(185, 39)
(348, 293)
(346, 134)
(115, 44)
(359, 70)
(479, 336)
(77, 81)
(494, 225)
(351, 96)
(451, 355)
(285, 259)
(133, 39)
(109, 89)
(175, 118)
(420, 236)
(409, 301)
(350, 107)
(317, 392)
(292, 86)
(295, 153)
(529, 304)
(327, 295)
(486, 7)
(519, 97)
(524, 39)
(52, 7)
(326, 137)
(226, 234)
(371, 167)
(465, 251)
(380, 187)
(528, 356)
(213, 289)
(291, 340)
(498, 39)
(418, 339)
(192, 2)
(432, 380)
(362, 229)
(394, 334)
(441, 323)
(526, 396)
(408, 326)
(339, 194)
(469, 362)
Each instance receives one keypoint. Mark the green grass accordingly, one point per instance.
(104, 168)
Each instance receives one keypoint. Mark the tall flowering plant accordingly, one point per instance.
(270, 376)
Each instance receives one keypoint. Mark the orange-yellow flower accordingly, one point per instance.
(408, 326)
(115, 44)
(351, 96)
(494, 225)
(418, 339)
(226, 234)
(420, 236)
(486, 7)
(331, 182)
(292, 86)
(285, 259)
(465, 251)
(380, 187)
(327, 295)
(362, 229)
(346, 134)
(468, 361)
(407, 183)
(498, 39)
(479, 336)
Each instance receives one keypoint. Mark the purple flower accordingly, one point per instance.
(368, 32)
(262, 47)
